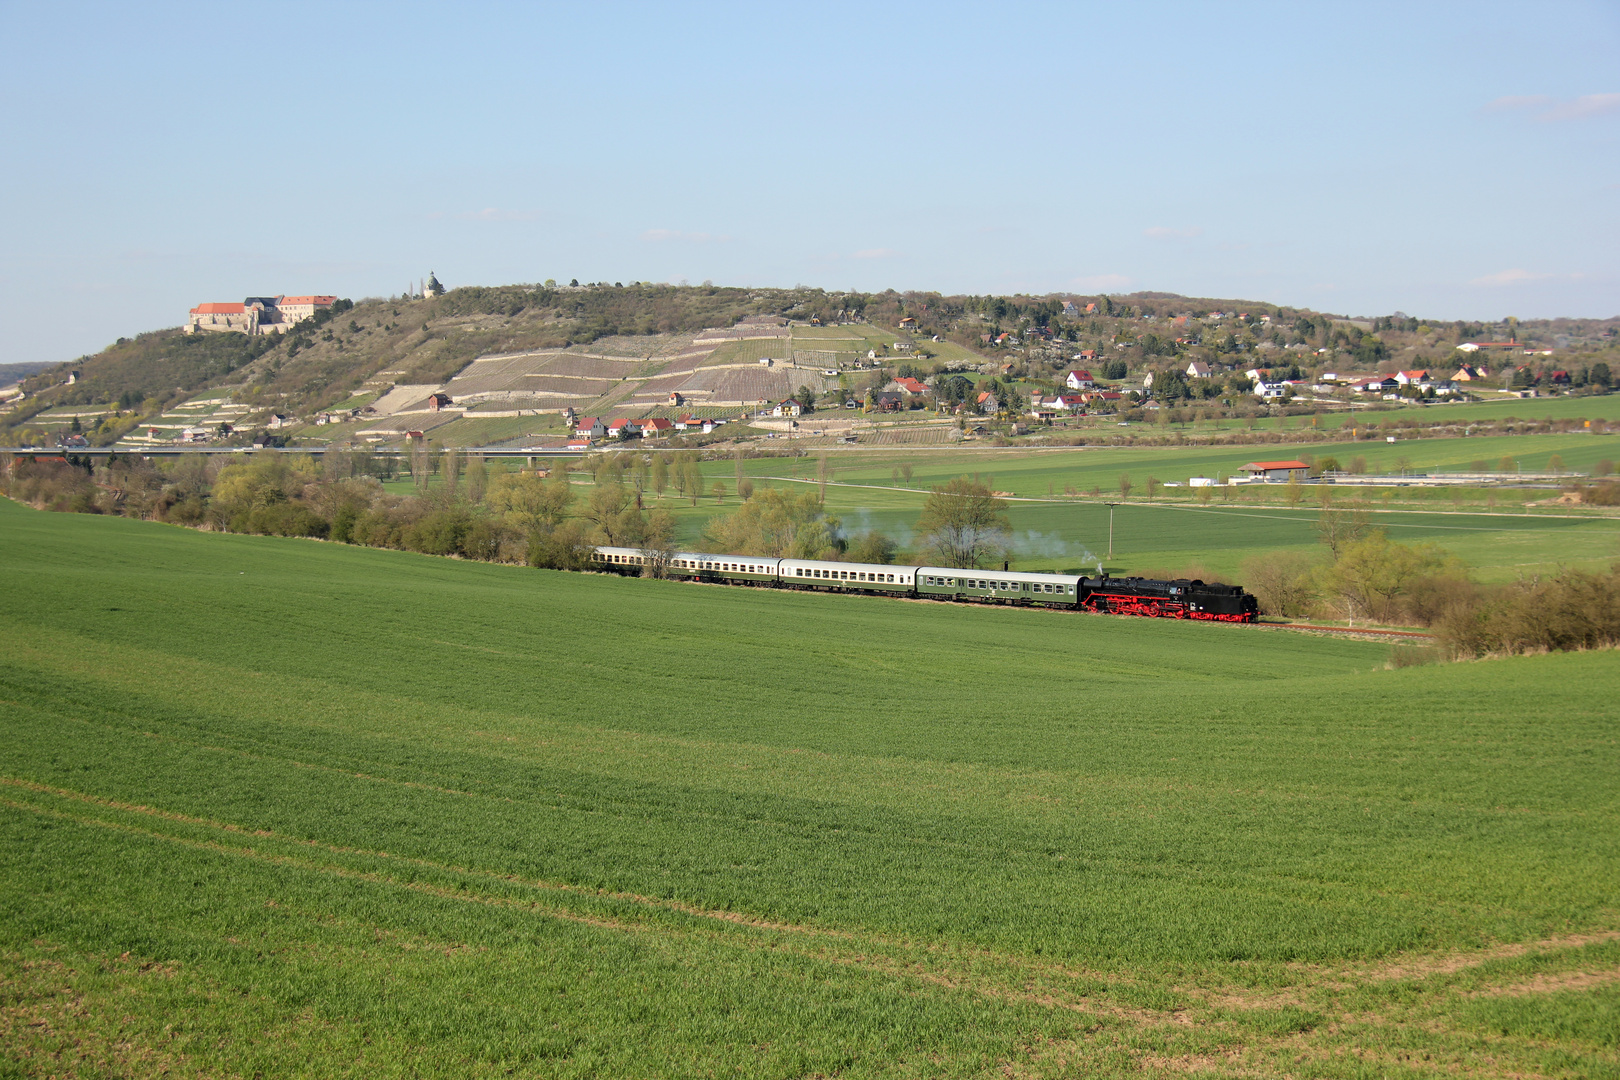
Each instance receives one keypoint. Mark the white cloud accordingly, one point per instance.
(1548, 110)
(1163, 232)
(876, 253)
(1520, 101)
(1100, 283)
(1520, 276)
(1582, 107)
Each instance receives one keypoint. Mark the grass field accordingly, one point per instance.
(1490, 529)
(288, 808)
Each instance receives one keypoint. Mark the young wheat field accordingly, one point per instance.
(275, 807)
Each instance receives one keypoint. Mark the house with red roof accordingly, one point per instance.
(1407, 378)
(1079, 380)
(620, 427)
(1281, 471)
(591, 428)
(655, 426)
(911, 386)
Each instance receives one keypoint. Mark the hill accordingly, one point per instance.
(279, 807)
(614, 346)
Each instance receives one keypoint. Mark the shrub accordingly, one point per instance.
(1574, 610)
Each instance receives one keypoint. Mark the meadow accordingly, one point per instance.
(1492, 529)
(288, 808)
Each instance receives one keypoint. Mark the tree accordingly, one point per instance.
(774, 523)
(477, 480)
(1124, 485)
(718, 491)
(1339, 528)
(657, 543)
(872, 547)
(1599, 375)
(963, 524)
(660, 475)
(614, 516)
(529, 501)
(1371, 572)
(1282, 583)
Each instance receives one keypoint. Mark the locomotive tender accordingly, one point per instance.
(1181, 599)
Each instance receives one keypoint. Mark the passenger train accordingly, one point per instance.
(1180, 599)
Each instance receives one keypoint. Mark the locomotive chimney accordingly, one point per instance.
(1004, 567)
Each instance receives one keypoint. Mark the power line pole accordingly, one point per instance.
(1111, 531)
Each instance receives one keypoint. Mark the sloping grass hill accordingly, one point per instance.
(289, 808)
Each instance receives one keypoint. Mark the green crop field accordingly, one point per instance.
(285, 808)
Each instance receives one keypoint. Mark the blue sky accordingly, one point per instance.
(1451, 160)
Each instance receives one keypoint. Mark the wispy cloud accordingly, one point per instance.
(1100, 282)
(876, 253)
(1549, 110)
(661, 236)
(1164, 232)
(1520, 276)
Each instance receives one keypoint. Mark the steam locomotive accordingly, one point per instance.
(1180, 599)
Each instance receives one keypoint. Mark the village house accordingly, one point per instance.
(435, 402)
(1279, 471)
(788, 407)
(908, 323)
(888, 402)
(277, 421)
(1471, 373)
(656, 426)
(591, 428)
(622, 427)
(908, 385)
(675, 399)
(1079, 380)
(1198, 370)
(1408, 378)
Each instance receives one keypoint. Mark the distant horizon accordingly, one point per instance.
(1456, 159)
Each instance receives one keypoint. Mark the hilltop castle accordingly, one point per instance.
(257, 314)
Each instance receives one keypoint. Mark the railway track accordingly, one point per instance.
(1361, 631)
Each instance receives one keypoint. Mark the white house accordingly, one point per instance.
(1079, 380)
(1198, 370)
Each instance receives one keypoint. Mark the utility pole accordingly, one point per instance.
(1111, 531)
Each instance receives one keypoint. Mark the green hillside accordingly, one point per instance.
(1029, 341)
(281, 807)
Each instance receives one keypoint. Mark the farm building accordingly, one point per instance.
(1276, 470)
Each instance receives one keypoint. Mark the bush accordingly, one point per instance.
(1573, 610)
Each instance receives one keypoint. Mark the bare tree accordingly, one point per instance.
(964, 524)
